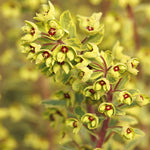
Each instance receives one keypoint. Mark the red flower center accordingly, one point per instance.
(141, 97)
(52, 31)
(32, 49)
(75, 124)
(66, 95)
(132, 65)
(92, 91)
(126, 96)
(46, 54)
(102, 82)
(61, 63)
(116, 68)
(91, 118)
(64, 49)
(108, 107)
(128, 131)
(90, 28)
(32, 31)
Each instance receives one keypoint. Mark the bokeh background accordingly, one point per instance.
(23, 87)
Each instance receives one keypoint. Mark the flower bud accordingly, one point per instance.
(90, 25)
(102, 85)
(90, 92)
(125, 97)
(46, 13)
(32, 32)
(142, 100)
(74, 124)
(107, 108)
(91, 120)
(131, 66)
(128, 133)
(118, 69)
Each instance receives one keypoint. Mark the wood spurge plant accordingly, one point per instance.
(93, 104)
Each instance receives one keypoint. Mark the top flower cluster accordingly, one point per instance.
(99, 76)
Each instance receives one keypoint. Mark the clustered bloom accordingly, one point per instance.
(91, 76)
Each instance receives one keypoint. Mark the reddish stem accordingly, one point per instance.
(84, 40)
(48, 44)
(98, 65)
(105, 66)
(117, 84)
(98, 70)
(54, 47)
(102, 133)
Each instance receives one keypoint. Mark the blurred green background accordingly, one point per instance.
(23, 87)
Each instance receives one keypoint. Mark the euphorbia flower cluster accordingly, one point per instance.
(94, 92)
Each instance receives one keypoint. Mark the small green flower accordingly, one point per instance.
(118, 69)
(63, 52)
(44, 56)
(91, 120)
(90, 25)
(142, 100)
(102, 85)
(131, 66)
(55, 116)
(107, 108)
(32, 32)
(47, 12)
(90, 92)
(93, 51)
(128, 133)
(66, 95)
(53, 30)
(58, 66)
(75, 124)
(32, 47)
(125, 97)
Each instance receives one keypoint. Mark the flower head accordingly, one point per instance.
(32, 32)
(125, 97)
(74, 124)
(91, 120)
(128, 133)
(107, 108)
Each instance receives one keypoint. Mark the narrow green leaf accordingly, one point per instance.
(79, 98)
(117, 130)
(96, 39)
(67, 23)
(54, 102)
(74, 42)
(139, 132)
(128, 119)
(123, 82)
(79, 111)
(132, 144)
(120, 112)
